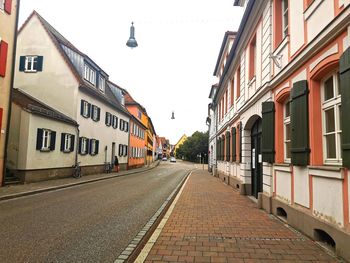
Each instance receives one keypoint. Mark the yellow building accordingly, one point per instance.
(180, 142)
(8, 29)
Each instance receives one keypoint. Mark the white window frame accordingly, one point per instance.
(285, 18)
(46, 140)
(31, 63)
(102, 84)
(89, 74)
(85, 109)
(84, 146)
(334, 103)
(94, 112)
(109, 119)
(93, 146)
(2, 5)
(286, 121)
(67, 142)
(115, 122)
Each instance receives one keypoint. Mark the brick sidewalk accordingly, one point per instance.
(213, 223)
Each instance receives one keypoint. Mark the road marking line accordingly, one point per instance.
(147, 248)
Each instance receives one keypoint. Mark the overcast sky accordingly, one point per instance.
(171, 69)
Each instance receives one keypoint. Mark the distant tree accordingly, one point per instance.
(195, 145)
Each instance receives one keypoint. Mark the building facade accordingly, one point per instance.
(9, 11)
(282, 133)
(137, 143)
(55, 73)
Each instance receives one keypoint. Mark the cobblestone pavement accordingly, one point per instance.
(213, 223)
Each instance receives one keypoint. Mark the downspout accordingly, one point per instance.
(77, 145)
(11, 88)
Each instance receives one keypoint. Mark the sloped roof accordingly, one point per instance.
(224, 41)
(58, 39)
(33, 105)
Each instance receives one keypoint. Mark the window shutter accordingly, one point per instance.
(120, 150)
(89, 110)
(234, 152)
(97, 146)
(106, 119)
(268, 131)
(63, 135)
(8, 6)
(88, 145)
(72, 142)
(116, 122)
(126, 126)
(3, 58)
(22, 62)
(39, 65)
(98, 113)
(80, 144)
(52, 141)
(82, 107)
(228, 156)
(39, 139)
(240, 142)
(344, 71)
(300, 124)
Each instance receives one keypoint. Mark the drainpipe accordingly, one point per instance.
(77, 145)
(11, 88)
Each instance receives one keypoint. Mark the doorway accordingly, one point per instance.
(113, 154)
(256, 158)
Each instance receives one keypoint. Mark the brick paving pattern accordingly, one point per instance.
(213, 223)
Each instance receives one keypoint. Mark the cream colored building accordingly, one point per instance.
(281, 104)
(8, 28)
(53, 71)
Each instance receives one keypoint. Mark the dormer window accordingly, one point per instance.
(89, 74)
(101, 84)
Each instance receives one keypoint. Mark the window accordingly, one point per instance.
(101, 84)
(252, 58)
(232, 92)
(108, 120)
(94, 146)
(2, 4)
(285, 21)
(115, 122)
(125, 150)
(67, 142)
(89, 74)
(121, 125)
(3, 57)
(287, 132)
(85, 109)
(95, 116)
(46, 140)
(126, 128)
(83, 145)
(31, 64)
(238, 87)
(139, 114)
(331, 108)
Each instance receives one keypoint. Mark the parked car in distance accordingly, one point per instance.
(172, 160)
(164, 159)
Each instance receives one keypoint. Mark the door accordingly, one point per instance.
(256, 158)
(113, 154)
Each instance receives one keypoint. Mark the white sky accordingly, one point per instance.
(171, 69)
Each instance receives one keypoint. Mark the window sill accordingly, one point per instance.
(281, 46)
(85, 116)
(30, 71)
(45, 150)
(311, 9)
(66, 151)
(251, 81)
(327, 167)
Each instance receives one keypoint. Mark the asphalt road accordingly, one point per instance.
(88, 223)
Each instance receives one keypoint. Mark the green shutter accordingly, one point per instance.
(39, 66)
(300, 124)
(228, 146)
(240, 141)
(234, 152)
(344, 71)
(268, 131)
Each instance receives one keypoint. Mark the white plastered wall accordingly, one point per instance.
(98, 130)
(55, 85)
(301, 186)
(296, 25)
(283, 185)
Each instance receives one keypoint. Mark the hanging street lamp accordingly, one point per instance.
(132, 41)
